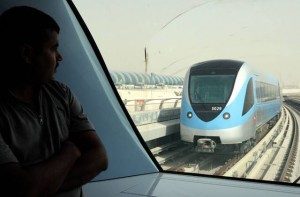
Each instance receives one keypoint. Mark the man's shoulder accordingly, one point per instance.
(57, 86)
(57, 89)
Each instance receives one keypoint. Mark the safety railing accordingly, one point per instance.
(151, 104)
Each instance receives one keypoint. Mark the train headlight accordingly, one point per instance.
(226, 115)
(189, 114)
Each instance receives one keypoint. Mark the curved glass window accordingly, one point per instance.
(149, 47)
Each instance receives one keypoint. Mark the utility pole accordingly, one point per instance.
(146, 60)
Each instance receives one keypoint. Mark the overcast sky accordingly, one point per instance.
(179, 33)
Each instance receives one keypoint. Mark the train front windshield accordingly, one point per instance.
(210, 88)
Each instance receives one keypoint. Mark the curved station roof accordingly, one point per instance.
(142, 78)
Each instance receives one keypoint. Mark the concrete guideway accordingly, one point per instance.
(266, 159)
(158, 130)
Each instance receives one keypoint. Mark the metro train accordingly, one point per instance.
(226, 102)
(132, 170)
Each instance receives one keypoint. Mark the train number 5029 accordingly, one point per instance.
(216, 108)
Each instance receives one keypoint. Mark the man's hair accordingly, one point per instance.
(21, 25)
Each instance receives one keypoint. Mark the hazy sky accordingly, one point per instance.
(179, 33)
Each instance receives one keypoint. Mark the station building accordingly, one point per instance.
(141, 79)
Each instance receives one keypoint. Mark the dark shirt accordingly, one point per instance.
(30, 135)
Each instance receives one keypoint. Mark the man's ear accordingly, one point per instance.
(26, 52)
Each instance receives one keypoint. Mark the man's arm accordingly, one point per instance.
(43, 179)
(93, 160)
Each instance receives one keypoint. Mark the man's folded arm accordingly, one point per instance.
(42, 179)
(93, 160)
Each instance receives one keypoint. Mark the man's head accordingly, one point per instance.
(29, 44)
